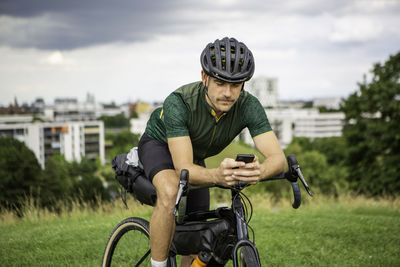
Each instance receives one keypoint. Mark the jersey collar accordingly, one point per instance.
(216, 117)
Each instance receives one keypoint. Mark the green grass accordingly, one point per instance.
(322, 232)
(351, 231)
(73, 239)
(230, 152)
(329, 236)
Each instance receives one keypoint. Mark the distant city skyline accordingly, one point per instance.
(56, 99)
(143, 50)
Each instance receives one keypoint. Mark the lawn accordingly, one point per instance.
(322, 232)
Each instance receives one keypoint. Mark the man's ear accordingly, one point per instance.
(204, 77)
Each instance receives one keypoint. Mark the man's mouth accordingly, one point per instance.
(225, 101)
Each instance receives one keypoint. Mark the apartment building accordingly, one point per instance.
(71, 139)
(317, 125)
(265, 89)
(290, 123)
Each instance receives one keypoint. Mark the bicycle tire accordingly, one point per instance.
(128, 244)
(248, 257)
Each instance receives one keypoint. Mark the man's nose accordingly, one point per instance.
(227, 91)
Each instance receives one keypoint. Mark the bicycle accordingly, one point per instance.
(217, 236)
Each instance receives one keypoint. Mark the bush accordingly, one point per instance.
(321, 162)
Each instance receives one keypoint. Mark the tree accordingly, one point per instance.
(89, 187)
(57, 182)
(116, 121)
(334, 149)
(372, 131)
(320, 165)
(122, 143)
(133, 115)
(20, 173)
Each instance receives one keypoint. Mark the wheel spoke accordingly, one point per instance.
(143, 258)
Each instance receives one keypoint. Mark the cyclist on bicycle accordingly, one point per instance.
(197, 121)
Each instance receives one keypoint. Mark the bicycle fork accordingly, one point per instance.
(242, 231)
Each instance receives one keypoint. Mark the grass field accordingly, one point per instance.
(322, 232)
(349, 231)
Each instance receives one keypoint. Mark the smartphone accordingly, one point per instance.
(246, 158)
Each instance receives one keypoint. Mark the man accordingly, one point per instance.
(197, 121)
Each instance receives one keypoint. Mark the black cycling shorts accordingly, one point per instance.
(155, 157)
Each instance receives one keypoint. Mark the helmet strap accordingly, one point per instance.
(209, 98)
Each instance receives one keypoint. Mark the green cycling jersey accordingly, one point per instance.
(186, 112)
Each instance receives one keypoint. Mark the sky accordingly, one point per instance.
(131, 50)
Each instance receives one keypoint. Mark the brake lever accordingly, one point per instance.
(303, 181)
(183, 185)
(295, 172)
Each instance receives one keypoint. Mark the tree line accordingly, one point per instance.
(61, 182)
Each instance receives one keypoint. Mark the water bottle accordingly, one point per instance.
(201, 260)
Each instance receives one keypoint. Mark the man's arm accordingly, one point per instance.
(182, 155)
(275, 161)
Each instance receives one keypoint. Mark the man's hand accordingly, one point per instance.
(231, 171)
(249, 173)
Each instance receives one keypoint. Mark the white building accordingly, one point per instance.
(69, 109)
(317, 125)
(265, 89)
(107, 110)
(290, 123)
(20, 118)
(71, 139)
(138, 125)
(328, 102)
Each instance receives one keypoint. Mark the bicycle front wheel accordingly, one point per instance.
(128, 244)
(248, 257)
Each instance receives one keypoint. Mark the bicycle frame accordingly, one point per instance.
(224, 236)
(241, 232)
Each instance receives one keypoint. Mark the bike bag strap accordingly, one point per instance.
(134, 181)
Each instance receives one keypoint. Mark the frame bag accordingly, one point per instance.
(196, 236)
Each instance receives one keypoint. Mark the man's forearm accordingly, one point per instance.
(273, 165)
(200, 175)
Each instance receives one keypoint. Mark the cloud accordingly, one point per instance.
(57, 58)
(67, 25)
(355, 29)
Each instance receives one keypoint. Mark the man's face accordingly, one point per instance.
(221, 95)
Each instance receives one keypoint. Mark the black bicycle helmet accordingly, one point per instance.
(228, 60)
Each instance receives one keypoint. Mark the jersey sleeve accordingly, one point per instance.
(254, 117)
(176, 116)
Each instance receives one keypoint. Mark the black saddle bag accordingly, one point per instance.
(134, 181)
